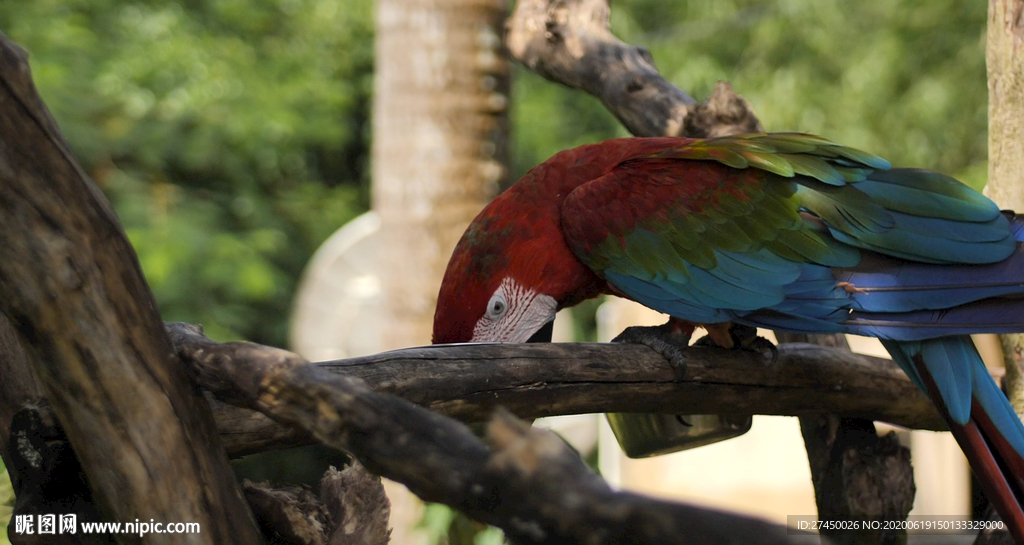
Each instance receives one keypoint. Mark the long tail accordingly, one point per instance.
(952, 373)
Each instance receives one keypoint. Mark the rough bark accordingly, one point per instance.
(569, 42)
(357, 505)
(1006, 146)
(288, 513)
(71, 287)
(47, 478)
(527, 482)
(18, 387)
(468, 382)
(439, 127)
(350, 510)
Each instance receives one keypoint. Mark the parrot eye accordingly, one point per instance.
(514, 314)
(497, 306)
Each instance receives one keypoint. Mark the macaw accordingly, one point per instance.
(785, 231)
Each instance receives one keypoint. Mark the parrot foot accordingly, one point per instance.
(745, 337)
(667, 340)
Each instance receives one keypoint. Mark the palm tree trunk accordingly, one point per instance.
(439, 130)
(439, 133)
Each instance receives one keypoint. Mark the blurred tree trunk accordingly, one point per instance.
(1006, 162)
(1006, 144)
(439, 143)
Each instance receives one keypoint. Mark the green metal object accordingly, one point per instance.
(642, 435)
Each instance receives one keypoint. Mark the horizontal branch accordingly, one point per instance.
(468, 382)
(526, 481)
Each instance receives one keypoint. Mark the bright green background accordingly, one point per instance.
(232, 136)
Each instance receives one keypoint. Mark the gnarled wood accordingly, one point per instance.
(71, 287)
(17, 385)
(47, 478)
(569, 42)
(528, 482)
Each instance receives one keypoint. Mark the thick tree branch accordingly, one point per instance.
(71, 288)
(569, 42)
(528, 482)
(468, 381)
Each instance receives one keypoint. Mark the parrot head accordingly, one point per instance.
(510, 273)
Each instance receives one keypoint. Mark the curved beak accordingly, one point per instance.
(543, 335)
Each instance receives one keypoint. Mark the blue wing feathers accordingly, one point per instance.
(893, 285)
(960, 272)
(927, 193)
(935, 240)
(668, 299)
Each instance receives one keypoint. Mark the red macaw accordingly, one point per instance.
(783, 231)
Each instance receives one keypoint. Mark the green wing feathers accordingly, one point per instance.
(799, 197)
(911, 213)
(784, 154)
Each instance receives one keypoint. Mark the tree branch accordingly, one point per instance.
(569, 42)
(18, 387)
(468, 382)
(528, 482)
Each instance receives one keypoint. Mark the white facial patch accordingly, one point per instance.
(513, 314)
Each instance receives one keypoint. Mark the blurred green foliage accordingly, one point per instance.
(442, 525)
(230, 135)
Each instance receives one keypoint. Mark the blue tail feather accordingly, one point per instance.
(960, 376)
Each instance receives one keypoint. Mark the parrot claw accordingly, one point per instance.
(768, 351)
(662, 339)
(745, 337)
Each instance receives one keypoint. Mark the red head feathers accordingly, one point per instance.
(512, 269)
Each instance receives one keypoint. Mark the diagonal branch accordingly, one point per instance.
(569, 42)
(525, 481)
